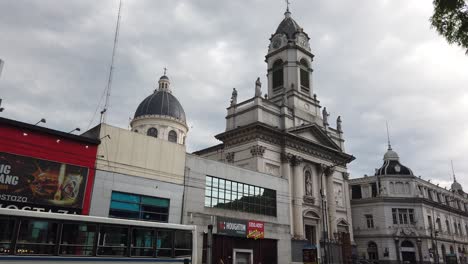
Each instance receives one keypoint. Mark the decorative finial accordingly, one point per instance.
(388, 137)
(165, 69)
(287, 13)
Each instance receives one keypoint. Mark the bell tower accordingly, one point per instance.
(289, 61)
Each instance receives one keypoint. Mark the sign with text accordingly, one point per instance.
(232, 227)
(255, 229)
(34, 184)
(241, 228)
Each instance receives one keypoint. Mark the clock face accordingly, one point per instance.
(276, 43)
(303, 41)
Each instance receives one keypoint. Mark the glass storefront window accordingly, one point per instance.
(226, 194)
(132, 206)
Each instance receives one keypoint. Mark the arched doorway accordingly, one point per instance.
(408, 252)
(372, 251)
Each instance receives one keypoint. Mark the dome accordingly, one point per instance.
(456, 186)
(391, 155)
(288, 26)
(161, 103)
(392, 165)
(164, 77)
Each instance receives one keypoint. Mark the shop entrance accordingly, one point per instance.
(243, 256)
(408, 252)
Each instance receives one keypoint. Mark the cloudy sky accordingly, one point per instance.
(375, 61)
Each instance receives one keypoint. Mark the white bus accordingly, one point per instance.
(27, 236)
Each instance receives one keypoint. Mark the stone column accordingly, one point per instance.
(420, 256)
(331, 202)
(257, 152)
(286, 172)
(297, 197)
(397, 249)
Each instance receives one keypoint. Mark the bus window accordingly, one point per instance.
(142, 242)
(6, 232)
(112, 241)
(183, 243)
(164, 243)
(36, 237)
(77, 239)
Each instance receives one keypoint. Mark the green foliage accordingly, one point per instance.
(450, 19)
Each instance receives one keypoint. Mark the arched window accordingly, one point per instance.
(152, 132)
(451, 250)
(278, 77)
(439, 224)
(372, 251)
(305, 76)
(172, 136)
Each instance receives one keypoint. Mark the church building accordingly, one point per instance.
(287, 133)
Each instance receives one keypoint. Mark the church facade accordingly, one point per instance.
(286, 133)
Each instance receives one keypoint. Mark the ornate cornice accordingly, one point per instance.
(275, 136)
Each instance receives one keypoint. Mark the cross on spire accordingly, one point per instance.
(165, 69)
(287, 5)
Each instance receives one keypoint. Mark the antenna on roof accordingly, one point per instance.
(453, 172)
(388, 137)
(111, 70)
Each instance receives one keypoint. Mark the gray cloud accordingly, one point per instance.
(375, 61)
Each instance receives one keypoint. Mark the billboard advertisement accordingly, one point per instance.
(241, 228)
(232, 227)
(35, 184)
(255, 229)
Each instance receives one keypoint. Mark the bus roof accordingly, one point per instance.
(92, 219)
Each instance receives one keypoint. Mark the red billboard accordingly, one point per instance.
(44, 169)
(29, 183)
(255, 229)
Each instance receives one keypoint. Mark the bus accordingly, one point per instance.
(29, 236)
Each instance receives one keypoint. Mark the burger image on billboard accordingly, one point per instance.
(33, 181)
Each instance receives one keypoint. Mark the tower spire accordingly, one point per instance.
(388, 137)
(453, 172)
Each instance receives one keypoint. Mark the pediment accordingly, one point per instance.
(315, 134)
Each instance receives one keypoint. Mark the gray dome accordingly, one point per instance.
(392, 165)
(456, 186)
(161, 103)
(289, 27)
